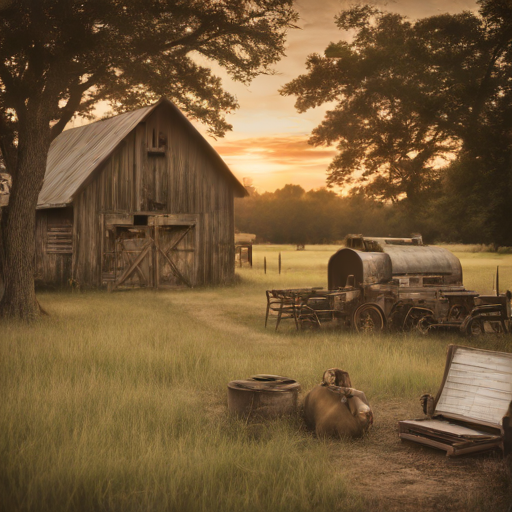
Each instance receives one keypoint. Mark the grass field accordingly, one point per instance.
(117, 402)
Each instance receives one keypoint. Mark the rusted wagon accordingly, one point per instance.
(400, 284)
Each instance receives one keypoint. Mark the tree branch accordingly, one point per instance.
(72, 105)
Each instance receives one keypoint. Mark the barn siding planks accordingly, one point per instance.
(184, 180)
(54, 269)
(478, 386)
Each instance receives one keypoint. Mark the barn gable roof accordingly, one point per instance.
(75, 154)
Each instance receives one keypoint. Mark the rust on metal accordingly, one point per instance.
(399, 284)
(266, 396)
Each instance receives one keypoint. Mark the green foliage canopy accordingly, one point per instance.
(291, 215)
(67, 55)
(408, 95)
(58, 58)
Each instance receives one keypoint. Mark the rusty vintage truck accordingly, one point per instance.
(397, 284)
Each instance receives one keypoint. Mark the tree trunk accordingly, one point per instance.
(19, 219)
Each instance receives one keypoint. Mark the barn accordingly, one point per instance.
(137, 200)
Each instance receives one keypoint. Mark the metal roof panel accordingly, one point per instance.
(76, 153)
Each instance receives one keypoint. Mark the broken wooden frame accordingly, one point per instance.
(470, 405)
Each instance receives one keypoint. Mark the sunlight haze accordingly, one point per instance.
(268, 143)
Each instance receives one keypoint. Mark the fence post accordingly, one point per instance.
(265, 264)
(279, 262)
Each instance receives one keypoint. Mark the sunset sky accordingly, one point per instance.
(269, 139)
(268, 143)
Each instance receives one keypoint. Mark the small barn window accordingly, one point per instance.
(158, 143)
(59, 239)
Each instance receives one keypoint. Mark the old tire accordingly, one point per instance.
(368, 318)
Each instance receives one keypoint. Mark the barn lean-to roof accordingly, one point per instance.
(75, 154)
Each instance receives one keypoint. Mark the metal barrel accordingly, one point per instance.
(266, 396)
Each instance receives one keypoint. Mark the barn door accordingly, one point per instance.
(134, 256)
(175, 248)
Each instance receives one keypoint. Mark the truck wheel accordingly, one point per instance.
(368, 319)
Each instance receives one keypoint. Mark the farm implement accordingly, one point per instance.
(396, 284)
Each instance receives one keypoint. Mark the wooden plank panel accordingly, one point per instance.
(457, 391)
(444, 426)
(478, 385)
(462, 372)
(476, 402)
(501, 363)
(475, 414)
(479, 381)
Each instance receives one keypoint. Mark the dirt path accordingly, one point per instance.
(218, 319)
(398, 476)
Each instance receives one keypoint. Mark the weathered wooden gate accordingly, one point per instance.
(150, 256)
(175, 251)
(133, 256)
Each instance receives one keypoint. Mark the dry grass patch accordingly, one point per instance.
(118, 402)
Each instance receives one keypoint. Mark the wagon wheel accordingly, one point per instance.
(308, 318)
(475, 327)
(414, 316)
(368, 319)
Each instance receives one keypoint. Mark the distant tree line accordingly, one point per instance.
(293, 216)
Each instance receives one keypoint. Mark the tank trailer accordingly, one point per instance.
(396, 284)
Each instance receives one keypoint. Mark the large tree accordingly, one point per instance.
(58, 58)
(409, 96)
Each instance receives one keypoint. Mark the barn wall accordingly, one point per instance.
(88, 237)
(176, 179)
(53, 257)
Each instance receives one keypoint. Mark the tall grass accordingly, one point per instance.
(118, 401)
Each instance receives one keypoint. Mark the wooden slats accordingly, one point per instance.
(478, 386)
(59, 239)
(188, 180)
(502, 364)
(444, 426)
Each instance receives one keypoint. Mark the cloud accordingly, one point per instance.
(281, 150)
(272, 162)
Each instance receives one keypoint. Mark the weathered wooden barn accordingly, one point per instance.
(137, 200)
